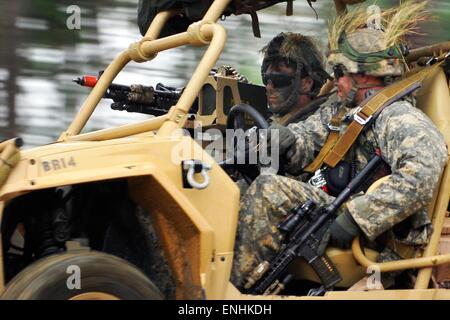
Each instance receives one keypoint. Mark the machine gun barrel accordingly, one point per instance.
(156, 103)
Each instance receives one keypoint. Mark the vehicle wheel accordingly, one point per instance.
(101, 277)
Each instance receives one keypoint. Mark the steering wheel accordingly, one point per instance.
(247, 141)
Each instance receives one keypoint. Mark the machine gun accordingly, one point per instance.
(222, 89)
(303, 232)
(142, 99)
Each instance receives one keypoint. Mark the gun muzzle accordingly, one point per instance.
(86, 81)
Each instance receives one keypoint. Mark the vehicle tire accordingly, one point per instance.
(101, 277)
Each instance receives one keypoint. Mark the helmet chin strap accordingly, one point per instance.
(350, 100)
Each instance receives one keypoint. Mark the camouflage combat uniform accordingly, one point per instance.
(410, 144)
(301, 54)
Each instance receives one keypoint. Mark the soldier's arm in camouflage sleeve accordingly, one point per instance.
(416, 153)
(311, 135)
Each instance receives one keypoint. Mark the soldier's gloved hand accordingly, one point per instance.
(343, 230)
(286, 139)
(140, 94)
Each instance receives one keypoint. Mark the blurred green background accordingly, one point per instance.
(39, 56)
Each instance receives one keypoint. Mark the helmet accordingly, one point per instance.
(301, 53)
(361, 45)
(365, 51)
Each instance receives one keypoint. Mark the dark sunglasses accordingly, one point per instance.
(278, 80)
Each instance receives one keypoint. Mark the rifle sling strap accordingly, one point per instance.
(364, 116)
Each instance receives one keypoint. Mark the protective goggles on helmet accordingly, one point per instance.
(392, 52)
(278, 80)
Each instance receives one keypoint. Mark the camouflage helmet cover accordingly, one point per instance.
(365, 51)
(375, 47)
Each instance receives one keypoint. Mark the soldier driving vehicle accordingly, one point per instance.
(103, 200)
(293, 73)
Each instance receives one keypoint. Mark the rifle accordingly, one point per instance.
(156, 101)
(303, 231)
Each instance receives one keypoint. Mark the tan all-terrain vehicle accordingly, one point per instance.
(69, 209)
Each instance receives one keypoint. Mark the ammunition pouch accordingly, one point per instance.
(337, 178)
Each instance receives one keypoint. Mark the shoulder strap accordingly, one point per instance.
(332, 138)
